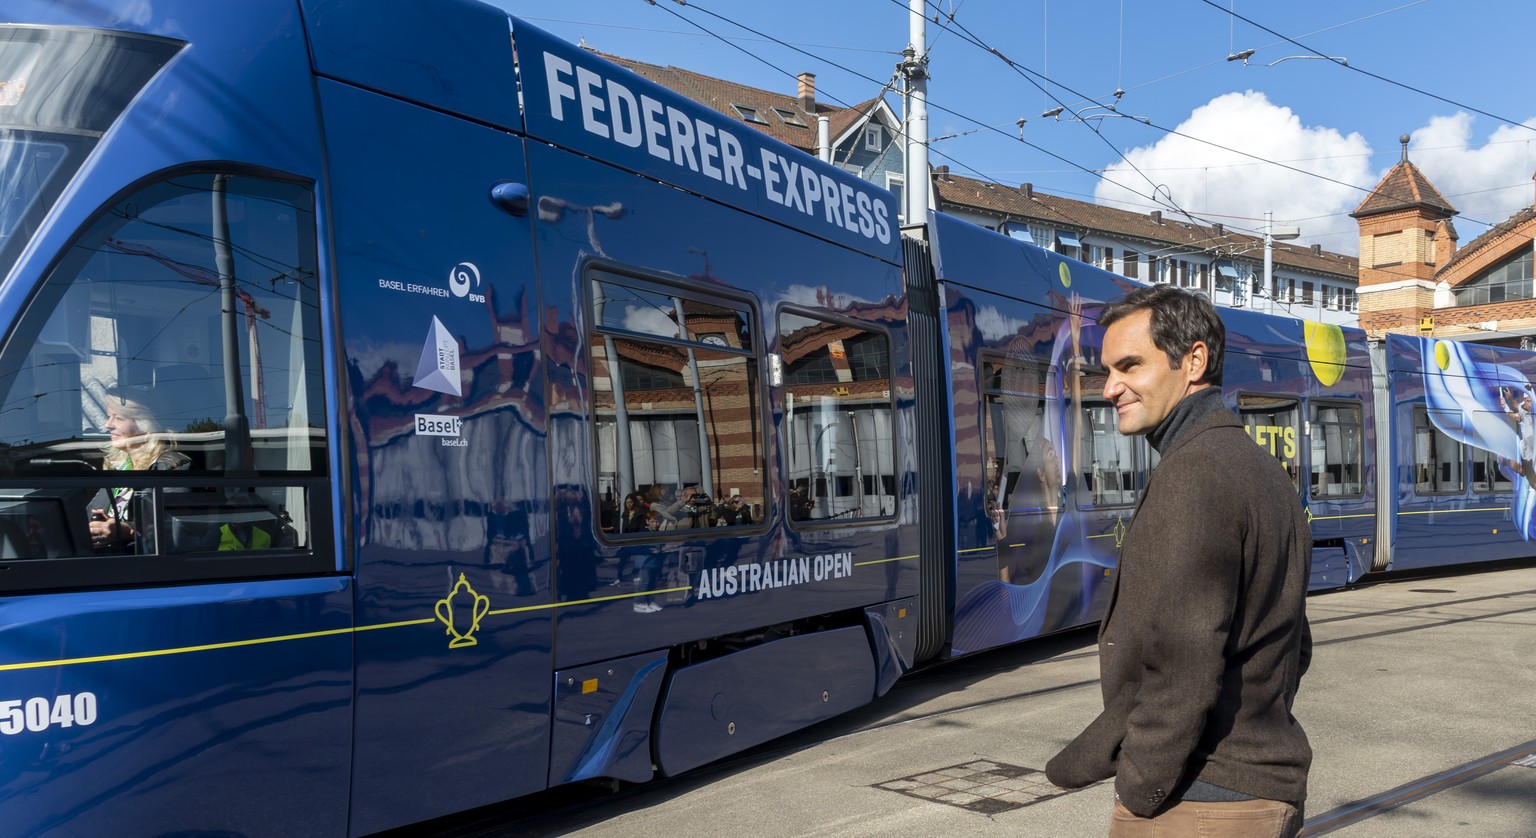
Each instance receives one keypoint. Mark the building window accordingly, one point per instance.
(789, 117)
(1102, 257)
(898, 184)
(1508, 280)
(1015, 230)
(1307, 293)
(874, 137)
(1132, 264)
(1068, 244)
(1043, 236)
(1351, 301)
(749, 114)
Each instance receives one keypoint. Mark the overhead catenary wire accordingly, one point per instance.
(1362, 71)
(976, 41)
(1023, 71)
(850, 71)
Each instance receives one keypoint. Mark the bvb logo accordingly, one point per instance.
(470, 606)
(462, 278)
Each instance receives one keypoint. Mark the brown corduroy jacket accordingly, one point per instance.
(1205, 638)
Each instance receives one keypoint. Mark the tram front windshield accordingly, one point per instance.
(61, 88)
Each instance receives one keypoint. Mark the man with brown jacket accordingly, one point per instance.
(1205, 638)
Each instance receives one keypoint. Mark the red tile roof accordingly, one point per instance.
(1164, 232)
(1404, 187)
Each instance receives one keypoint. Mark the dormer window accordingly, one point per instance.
(789, 117)
(749, 114)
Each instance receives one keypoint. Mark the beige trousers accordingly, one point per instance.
(1192, 819)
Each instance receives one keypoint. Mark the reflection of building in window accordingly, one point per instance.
(1019, 452)
(838, 438)
(1437, 459)
(1487, 475)
(1336, 437)
(677, 405)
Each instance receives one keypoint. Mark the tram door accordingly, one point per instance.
(440, 331)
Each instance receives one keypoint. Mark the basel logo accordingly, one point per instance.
(463, 280)
(439, 366)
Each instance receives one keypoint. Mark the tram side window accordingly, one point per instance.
(1271, 422)
(1437, 458)
(1487, 475)
(1336, 450)
(165, 382)
(1019, 422)
(678, 412)
(838, 443)
(1107, 461)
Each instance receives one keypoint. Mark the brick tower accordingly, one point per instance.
(1405, 236)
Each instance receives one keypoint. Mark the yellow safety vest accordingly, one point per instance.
(229, 541)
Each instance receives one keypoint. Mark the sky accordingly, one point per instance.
(1301, 131)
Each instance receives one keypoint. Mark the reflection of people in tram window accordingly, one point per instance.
(997, 514)
(1520, 415)
(137, 442)
(799, 503)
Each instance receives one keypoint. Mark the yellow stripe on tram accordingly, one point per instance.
(285, 638)
(885, 561)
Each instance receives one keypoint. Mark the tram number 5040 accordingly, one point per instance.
(39, 714)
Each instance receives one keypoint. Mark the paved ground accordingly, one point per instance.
(1421, 706)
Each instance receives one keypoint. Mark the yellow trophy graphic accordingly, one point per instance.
(473, 604)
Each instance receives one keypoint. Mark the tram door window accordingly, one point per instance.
(1107, 460)
(163, 394)
(1437, 458)
(1487, 475)
(838, 443)
(1336, 440)
(1272, 423)
(678, 412)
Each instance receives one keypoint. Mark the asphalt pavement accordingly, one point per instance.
(1420, 705)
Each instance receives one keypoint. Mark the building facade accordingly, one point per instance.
(1308, 283)
(1414, 279)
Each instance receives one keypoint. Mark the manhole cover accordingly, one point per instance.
(981, 786)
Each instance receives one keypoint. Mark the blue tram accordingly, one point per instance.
(504, 421)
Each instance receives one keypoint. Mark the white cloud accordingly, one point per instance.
(1487, 184)
(1217, 184)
